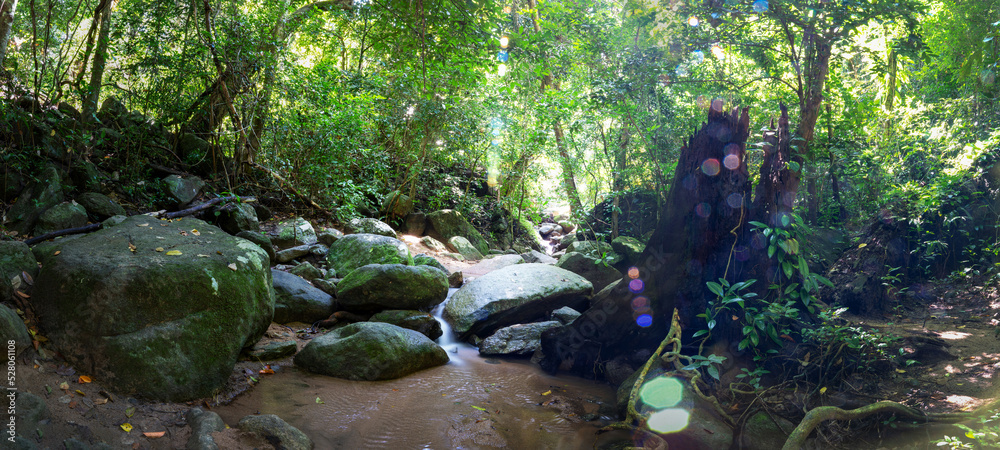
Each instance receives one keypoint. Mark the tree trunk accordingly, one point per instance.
(569, 178)
(100, 61)
(7, 9)
(618, 181)
(703, 235)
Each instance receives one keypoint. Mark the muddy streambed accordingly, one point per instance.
(471, 402)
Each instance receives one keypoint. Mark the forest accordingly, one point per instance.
(774, 222)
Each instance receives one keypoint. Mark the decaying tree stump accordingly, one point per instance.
(703, 235)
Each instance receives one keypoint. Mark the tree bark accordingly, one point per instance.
(100, 61)
(7, 9)
(569, 178)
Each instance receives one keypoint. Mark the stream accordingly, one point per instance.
(471, 402)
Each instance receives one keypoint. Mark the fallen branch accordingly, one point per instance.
(170, 215)
(815, 416)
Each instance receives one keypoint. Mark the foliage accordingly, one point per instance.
(985, 435)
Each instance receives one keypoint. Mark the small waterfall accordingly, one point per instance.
(447, 340)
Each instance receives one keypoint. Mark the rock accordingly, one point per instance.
(288, 254)
(565, 315)
(528, 228)
(392, 286)
(566, 241)
(36, 199)
(497, 262)
(433, 244)
(369, 226)
(85, 176)
(183, 189)
(293, 232)
(765, 432)
(356, 250)
(60, 217)
(68, 110)
(11, 184)
(237, 217)
(319, 250)
(548, 228)
(31, 410)
(629, 248)
(262, 241)
(273, 350)
(520, 293)
(15, 258)
(521, 339)
(535, 256)
(596, 250)
(425, 260)
(464, 247)
(397, 205)
(418, 321)
(276, 431)
(192, 148)
(328, 236)
(446, 224)
(306, 271)
(203, 424)
(298, 301)
(595, 271)
(567, 226)
(370, 351)
(12, 329)
(327, 285)
(455, 256)
(456, 279)
(179, 319)
(111, 109)
(99, 206)
(415, 223)
(111, 221)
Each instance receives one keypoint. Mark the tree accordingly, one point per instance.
(7, 10)
(102, 16)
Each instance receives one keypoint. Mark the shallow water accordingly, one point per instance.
(471, 402)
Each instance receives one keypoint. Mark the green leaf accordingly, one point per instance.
(711, 324)
(715, 288)
(757, 224)
(754, 339)
(770, 251)
(700, 333)
(714, 372)
(787, 268)
(824, 280)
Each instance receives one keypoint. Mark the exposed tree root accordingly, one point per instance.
(817, 415)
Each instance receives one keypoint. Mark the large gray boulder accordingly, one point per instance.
(520, 293)
(594, 270)
(596, 250)
(396, 205)
(447, 223)
(36, 199)
(370, 351)
(12, 329)
(293, 232)
(392, 286)
(153, 312)
(495, 263)
(298, 301)
(356, 250)
(420, 321)
(369, 226)
(521, 339)
(237, 217)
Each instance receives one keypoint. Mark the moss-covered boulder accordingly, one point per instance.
(520, 293)
(356, 250)
(422, 259)
(153, 309)
(419, 321)
(33, 201)
(447, 223)
(99, 206)
(298, 301)
(465, 248)
(369, 226)
(293, 232)
(182, 190)
(12, 329)
(520, 339)
(370, 351)
(597, 250)
(392, 286)
(15, 258)
(237, 217)
(629, 248)
(60, 217)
